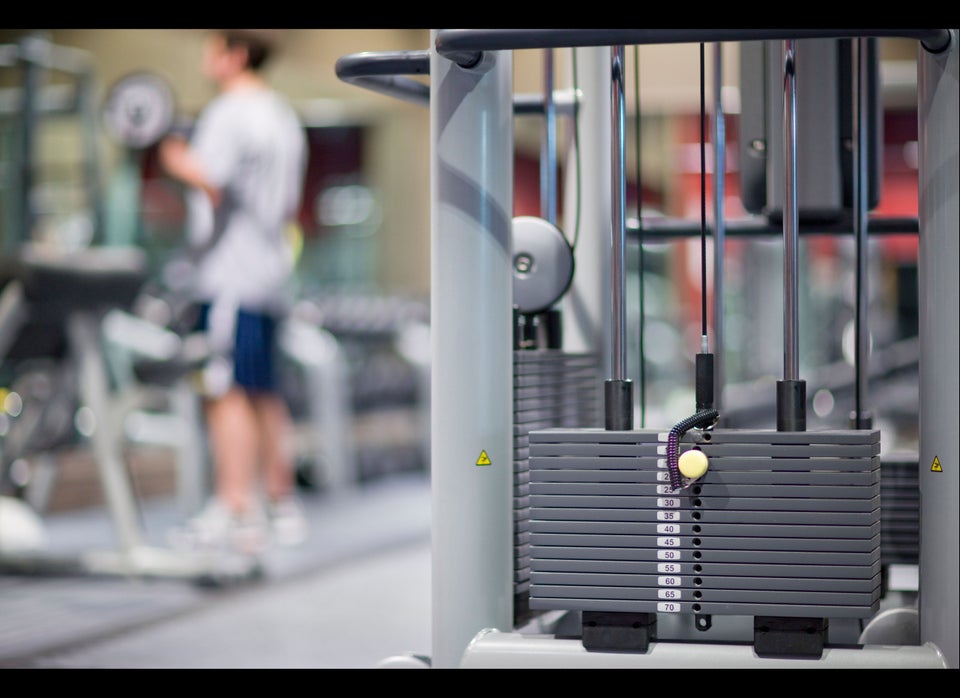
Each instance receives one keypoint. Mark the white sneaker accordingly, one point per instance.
(288, 522)
(217, 529)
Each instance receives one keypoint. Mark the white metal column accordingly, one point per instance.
(586, 306)
(471, 122)
(938, 262)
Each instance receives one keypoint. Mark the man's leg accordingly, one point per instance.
(288, 521)
(276, 447)
(235, 443)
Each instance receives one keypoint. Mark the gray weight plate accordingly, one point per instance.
(796, 476)
(773, 557)
(139, 109)
(795, 610)
(655, 529)
(552, 466)
(729, 450)
(712, 587)
(547, 464)
(750, 596)
(707, 543)
(710, 516)
(595, 435)
(765, 450)
(693, 568)
(706, 490)
(727, 436)
(854, 437)
(685, 501)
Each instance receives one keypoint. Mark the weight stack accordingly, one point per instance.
(782, 524)
(900, 510)
(551, 388)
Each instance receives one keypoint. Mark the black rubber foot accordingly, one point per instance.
(618, 632)
(796, 638)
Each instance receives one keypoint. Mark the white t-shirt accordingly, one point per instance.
(253, 148)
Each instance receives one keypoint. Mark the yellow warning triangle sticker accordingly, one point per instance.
(935, 467)
(484, 459)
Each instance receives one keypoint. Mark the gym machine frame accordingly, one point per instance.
(471, 111)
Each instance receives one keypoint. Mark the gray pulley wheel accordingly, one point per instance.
(542, 264)
(139, 109)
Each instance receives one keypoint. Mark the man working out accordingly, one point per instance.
(244, 166)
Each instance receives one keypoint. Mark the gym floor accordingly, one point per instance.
(355, 594)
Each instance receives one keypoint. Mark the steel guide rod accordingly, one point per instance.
(719, 229)
(619, 365)
(548, 156)
(860, 419)
(791, 391)
(791, 359)
(618, 396)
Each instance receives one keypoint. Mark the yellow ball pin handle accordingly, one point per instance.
(692, 464)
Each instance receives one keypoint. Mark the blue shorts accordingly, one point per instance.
(254, 351)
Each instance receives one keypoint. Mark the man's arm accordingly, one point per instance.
(180, 162)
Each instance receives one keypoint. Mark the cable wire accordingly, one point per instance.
(703, 199)
(576, 146)
(640, 272)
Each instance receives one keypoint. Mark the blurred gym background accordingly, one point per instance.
(359, 370)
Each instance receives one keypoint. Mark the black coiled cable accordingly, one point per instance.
(700, 419)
